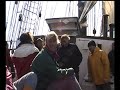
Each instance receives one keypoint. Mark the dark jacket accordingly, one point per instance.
(111, 59)
(70, 56)
(46, 69)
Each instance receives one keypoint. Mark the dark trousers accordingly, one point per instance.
(103, 87)
(76, 70)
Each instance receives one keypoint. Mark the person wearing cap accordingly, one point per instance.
(50, 76)
(98, 67)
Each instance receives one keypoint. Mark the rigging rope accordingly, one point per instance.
(66, 9)
(38, 21)
(22, 13)
(72, 8)
(8, 14)
(17, 24)
(26, 16)
(14, 29)
(11, 22)
(69, 9)
(35, 17)
(54, 9)
(30, 18)
(15, 20)
(44, 16)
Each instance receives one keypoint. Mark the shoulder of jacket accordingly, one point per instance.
(101, 50)
(72, 43)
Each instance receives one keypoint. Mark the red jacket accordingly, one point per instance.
(22, 65)
(23, 58)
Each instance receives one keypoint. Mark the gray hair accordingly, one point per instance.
(52, 34)
(65, 36)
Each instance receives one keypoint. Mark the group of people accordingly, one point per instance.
(21, 59)
(53, 64)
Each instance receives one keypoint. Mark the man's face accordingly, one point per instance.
(52, 44)
(64, 42)
(40, 44)
(91, 48)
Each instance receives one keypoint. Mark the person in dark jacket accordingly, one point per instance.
(39, 43)
(47, 70)
(71, 56)
(111, 59)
